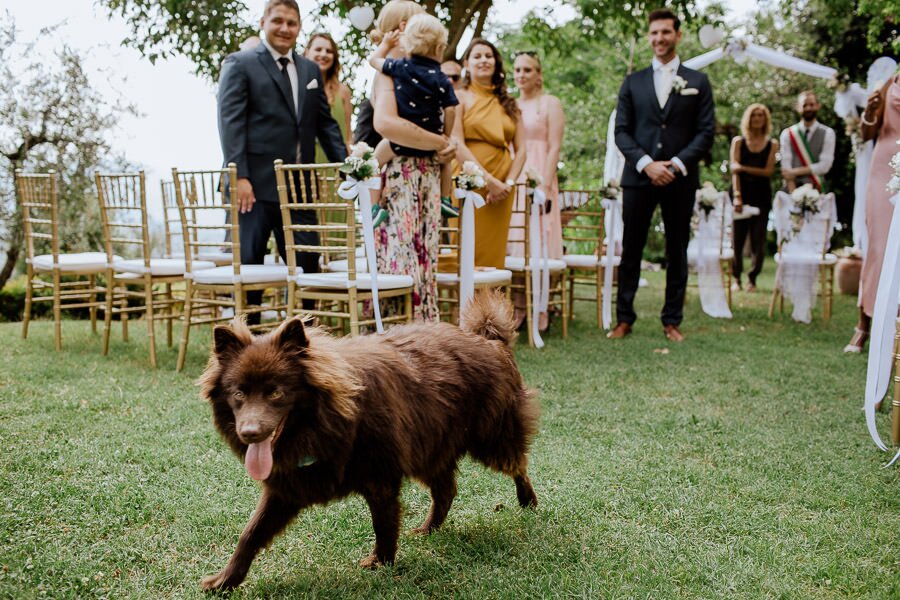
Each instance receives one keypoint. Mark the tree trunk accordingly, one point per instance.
(12, 257)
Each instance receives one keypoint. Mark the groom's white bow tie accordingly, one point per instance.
(665, 85)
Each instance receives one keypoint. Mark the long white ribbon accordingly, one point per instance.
(540, 269)
(878, 376)
(470, 201)
(348, 190)
(611, 210)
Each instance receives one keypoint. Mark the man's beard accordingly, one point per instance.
(810, 115)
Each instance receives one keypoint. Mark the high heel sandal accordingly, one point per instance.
(857, 342)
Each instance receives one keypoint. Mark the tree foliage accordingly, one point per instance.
(51, 117)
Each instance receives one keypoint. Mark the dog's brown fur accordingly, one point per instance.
(370, 411)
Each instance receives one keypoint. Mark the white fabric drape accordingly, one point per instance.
(802, 252)
(709, 242)
(470, 201)
(348, 190)
(878, 376)
(612, 227)
(537, 262)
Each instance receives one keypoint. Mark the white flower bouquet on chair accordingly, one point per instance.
(540, 271)
(707, 198)
(805, 203)
(469, 179)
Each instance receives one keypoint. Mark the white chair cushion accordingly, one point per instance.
(616, 260)
(340, 266)
(339, 281)
(581, 261)
(249, 274)
(726, 254)
(517, 263)
(79, 261)
(492, 277)
(220, 258)
(159, 266)
(807, 258)
(271, 259)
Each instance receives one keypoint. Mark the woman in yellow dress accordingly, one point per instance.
(323, 51)
(488, 121)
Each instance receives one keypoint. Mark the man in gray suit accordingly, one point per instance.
(272, 105)
(665, 122)
(807, 147)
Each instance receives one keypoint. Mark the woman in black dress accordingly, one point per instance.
(752, 165)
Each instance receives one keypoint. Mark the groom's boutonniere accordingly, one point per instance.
(679, 86)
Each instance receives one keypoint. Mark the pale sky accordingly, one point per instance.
(178, 126)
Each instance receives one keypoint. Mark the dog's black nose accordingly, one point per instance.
(250, 432)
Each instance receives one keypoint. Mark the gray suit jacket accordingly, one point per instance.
(258, 123)
(684, 127)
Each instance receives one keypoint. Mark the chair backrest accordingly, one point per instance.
(207, 213)
(804, 233)
(38, 198)
(310, 190)
(171, 219)
(123, 210)
(520, 224)
(585, 224)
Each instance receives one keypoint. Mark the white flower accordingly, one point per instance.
(678, 84)
(360, 149)
(533, 177)
(893, 185)
(470, 167)
(471, 177)
(806, 199)
(707, 197)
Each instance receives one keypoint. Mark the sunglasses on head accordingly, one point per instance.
(531, 53)
(453, 77)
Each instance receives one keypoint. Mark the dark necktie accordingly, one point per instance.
(284, 62)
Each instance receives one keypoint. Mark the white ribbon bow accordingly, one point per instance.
(611, 208)
(348, 190)
(540, 271)
(470, 201)
(878, 376)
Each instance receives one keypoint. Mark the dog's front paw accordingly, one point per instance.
(223, 580)
(370, 562)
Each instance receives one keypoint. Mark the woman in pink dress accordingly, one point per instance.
(544, 122)
(880, 120)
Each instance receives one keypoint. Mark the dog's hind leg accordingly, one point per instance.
(443, 491)
(384, 503)
(272, 515)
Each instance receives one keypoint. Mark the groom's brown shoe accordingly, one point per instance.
(673, 334)
(620, 331)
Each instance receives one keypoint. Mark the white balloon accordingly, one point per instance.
(362, 16)
(880, 71)
(711, 36)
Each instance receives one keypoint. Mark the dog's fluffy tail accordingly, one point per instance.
(490, 315)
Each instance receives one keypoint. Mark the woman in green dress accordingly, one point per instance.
(323, 51)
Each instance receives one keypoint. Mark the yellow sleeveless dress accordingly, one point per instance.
(337, 111)
(489, 131)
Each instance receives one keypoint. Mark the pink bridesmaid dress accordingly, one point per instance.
(879, 210)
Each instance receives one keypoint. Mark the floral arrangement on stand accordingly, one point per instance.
(361, 163)
(806, 202)
(707, 198)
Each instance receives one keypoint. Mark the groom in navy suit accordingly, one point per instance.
(272, 105)
(665, 122)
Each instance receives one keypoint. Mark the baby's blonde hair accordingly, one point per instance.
(392, 14)
(424, 35)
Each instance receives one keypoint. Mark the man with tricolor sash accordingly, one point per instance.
(807, 147)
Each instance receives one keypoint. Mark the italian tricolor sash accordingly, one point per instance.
(801, 148)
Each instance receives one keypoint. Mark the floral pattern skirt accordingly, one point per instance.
(407, 243)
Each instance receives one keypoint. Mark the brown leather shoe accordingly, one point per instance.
(673, 334)
(620, 331)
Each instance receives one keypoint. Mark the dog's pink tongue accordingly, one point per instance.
(258, 460)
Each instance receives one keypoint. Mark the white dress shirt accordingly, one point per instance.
(826, 157)
(291, 69)
(658, 83)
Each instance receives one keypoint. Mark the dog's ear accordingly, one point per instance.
(292, 335)
(227, 341)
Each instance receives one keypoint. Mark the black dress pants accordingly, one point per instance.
(755, 227)
(255, 228)
(676, 201)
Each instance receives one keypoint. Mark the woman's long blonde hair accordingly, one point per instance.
(745, 120)
(390, 17)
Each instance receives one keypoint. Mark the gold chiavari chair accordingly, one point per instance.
(449, 271)
(70, 278)
(306, 190)
(521, 264)
(809, 245)
(171, 220)
(205, 219)
(585, 254)
(123, 209)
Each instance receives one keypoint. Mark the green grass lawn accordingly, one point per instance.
(736, 464)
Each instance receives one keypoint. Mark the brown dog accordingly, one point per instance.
(317, 418)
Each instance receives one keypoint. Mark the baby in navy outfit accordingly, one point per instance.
(424, 94)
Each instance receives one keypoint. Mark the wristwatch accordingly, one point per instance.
(510, 182)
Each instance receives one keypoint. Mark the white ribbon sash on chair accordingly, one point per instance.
(611, 211)
(878, 376)
(540, 270)
(470, 201)
(709, 268)
(348, 190)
